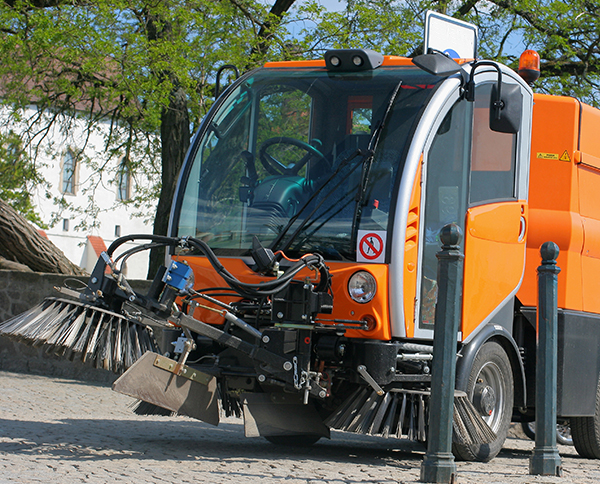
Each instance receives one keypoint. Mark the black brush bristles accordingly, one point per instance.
(140, 407)
(403, 413)
(74, 330)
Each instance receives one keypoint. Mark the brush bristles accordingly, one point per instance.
(146, 408)
(470, 427)
(71, 329)
(405, 414)
(393, 414)
(230, 406)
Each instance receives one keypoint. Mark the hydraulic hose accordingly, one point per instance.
(262, 289)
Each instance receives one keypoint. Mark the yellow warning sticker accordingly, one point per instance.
(547, 156)
(565, 157)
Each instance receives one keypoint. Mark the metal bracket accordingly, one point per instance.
(170, 365)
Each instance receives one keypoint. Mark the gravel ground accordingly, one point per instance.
(65, 431)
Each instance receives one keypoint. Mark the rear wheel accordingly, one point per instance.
(491, 389)
(563, 431)
(586, 432)
(529, 429)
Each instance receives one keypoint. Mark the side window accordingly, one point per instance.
(212, 193)
(493, 155)
(447, 165)
(69, 165)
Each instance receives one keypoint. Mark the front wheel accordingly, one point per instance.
(490, 387)
(586, 432)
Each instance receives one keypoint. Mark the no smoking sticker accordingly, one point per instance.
(371, 246)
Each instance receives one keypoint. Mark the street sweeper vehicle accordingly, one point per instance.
(301, 285)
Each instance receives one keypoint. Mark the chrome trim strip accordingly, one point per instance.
(428, 122)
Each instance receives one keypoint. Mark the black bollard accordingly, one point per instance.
(545, 460)
(438, 464)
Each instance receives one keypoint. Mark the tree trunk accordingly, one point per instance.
(20, 242)
(175, 140)
(279, 9)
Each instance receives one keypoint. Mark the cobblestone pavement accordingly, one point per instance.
(64, 431)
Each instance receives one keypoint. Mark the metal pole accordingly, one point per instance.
(438, 465)
(545, 459)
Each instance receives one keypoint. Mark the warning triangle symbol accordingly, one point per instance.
(565, 156)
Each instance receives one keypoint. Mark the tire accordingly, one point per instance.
(586, 432)
(293, 440)
(491, 370)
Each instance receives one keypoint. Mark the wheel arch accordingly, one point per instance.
(503, 337)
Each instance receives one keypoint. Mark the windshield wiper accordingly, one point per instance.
(302, 225)
(367, 163)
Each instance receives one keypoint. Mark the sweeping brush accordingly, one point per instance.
(75, 330)
(402, 413)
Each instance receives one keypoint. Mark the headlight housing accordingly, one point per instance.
(362, 287)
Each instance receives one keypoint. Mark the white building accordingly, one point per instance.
(88, 200)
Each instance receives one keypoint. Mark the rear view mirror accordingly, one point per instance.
(506, 101)
(506, 108)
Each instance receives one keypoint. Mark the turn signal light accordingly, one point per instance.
(529, 66)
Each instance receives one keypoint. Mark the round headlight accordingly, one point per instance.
(357, 60)
(362, 287)
(335, 61)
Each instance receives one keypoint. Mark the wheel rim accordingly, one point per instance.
(491, 376)
(563, 434)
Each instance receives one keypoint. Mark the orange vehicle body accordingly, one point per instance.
(376, 311)
(563, 206)
(564, 199)
(550, 163)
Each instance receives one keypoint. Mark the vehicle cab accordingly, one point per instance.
(362, 158)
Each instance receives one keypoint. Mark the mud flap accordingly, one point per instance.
(280, 414)
(152, 380)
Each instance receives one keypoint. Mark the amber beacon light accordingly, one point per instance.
(529, 66)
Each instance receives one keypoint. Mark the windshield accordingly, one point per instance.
(302, 159)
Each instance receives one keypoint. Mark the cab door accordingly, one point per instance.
(477, 179)
(496, 218)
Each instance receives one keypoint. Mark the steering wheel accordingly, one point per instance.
(275, 167)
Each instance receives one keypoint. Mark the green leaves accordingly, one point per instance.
(120, 62)
(17, 176)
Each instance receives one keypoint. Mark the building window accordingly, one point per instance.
(69, 166)
(117, 231)
(123, 181)
(65, 224)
